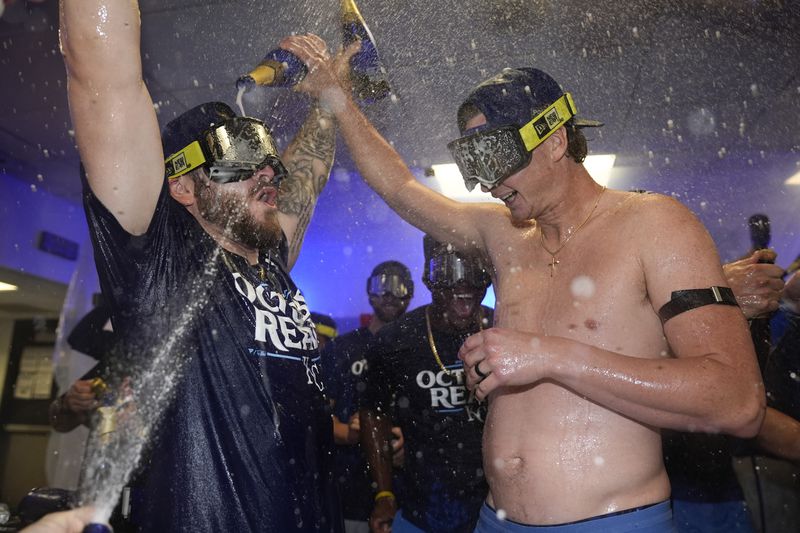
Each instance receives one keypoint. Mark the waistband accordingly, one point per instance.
(653, 518)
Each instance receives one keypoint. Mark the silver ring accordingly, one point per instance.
(478, 370)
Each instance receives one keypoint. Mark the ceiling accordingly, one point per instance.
(685, 87)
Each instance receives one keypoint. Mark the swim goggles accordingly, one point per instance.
(381, 284)
(447, 270)
(232, 150)
(489, 157)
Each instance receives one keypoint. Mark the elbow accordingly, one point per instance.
(749, 415)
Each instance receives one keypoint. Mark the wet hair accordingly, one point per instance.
(577, 146)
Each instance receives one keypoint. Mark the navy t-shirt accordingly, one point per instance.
(244, 442)
(343, 367)
(443, 480)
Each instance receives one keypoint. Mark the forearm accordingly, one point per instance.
(780, 436)
(387, 174)
(376, 432)
(308, 159)
(699, 393)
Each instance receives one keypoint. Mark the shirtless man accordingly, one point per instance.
(579, 370)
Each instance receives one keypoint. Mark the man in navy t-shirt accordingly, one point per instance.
(415, 374)
(344, 365)
(216, 342)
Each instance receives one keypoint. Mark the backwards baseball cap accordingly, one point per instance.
(523, 107)
(391, 277)
(231, 148)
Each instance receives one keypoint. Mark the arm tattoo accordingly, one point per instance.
(309, 158)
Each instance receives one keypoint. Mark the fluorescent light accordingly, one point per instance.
(7, 287)
(448, 181)
(599, 167)
(793, 180)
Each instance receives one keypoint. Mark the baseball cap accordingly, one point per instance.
(515, 96)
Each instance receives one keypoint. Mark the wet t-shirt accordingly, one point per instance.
(343, 368)
(244, 442)
(443, 481)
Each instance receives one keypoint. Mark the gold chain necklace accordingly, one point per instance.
(553, 260)
(433, 344)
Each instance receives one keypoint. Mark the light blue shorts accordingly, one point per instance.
(656, 518)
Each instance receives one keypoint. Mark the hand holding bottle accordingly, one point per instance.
(328, 77)
(80, 398)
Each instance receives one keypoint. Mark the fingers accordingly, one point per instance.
(765, 255)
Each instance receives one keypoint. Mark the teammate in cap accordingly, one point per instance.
(194, 267)
(344, 364)
(416, 380)
(580, 369)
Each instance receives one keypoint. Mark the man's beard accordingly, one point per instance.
(229, 212)
(388, 315)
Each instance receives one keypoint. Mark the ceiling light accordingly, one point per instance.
(7, 287)
(793, 180)
(600, 166)
(448, 181)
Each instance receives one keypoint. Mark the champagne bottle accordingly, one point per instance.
(759, 231)
(279, 68)
(367, 72)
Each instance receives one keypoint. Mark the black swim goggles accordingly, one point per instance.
(381, 284)
(445, 271)
(232, 150)
(489, 157)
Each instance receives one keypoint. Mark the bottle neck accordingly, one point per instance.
(349, 7)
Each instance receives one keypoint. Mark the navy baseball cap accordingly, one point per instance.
(515, 96)
(188, 127)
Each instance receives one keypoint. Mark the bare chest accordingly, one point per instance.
(592, 290)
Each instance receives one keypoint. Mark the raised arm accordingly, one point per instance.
(308, 158)
(115, 124)
(384, 170)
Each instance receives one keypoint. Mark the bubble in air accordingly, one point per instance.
(582, 287)
(501, 514)
(599, 461)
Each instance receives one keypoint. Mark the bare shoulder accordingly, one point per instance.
(673, 246)
(649, 207)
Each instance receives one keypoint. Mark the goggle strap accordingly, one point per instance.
(185, 160)
(547, 122)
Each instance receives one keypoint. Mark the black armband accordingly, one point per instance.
(689, 299)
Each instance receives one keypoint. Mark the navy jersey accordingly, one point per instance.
(443, 480)
(343, 367)
(244, 442)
